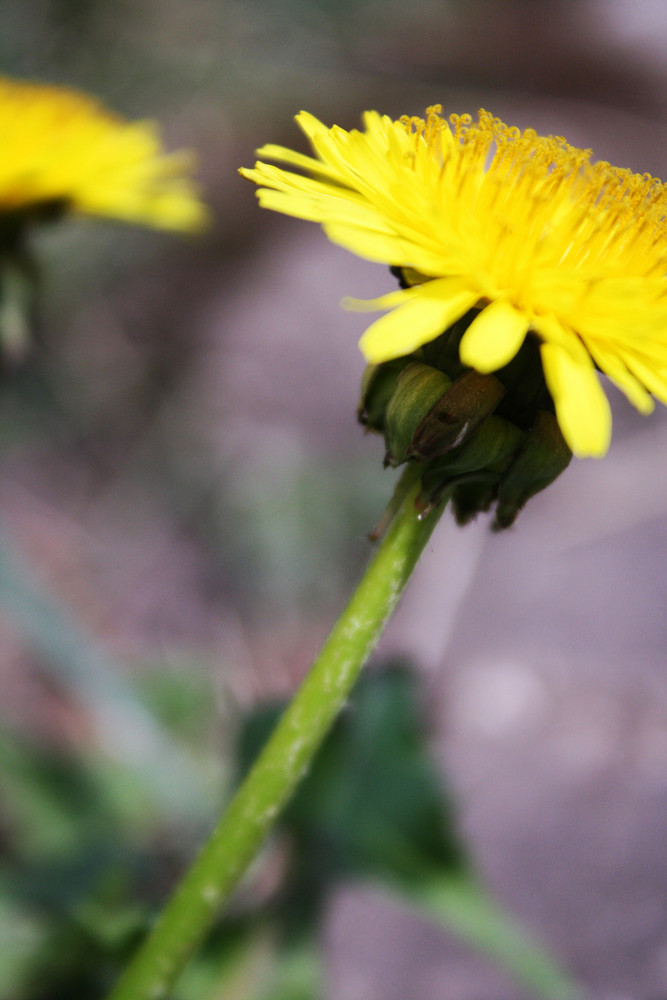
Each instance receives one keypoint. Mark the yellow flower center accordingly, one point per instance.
(542, 202)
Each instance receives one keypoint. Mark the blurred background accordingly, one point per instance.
(185, 498)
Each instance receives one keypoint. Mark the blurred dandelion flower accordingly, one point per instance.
(62, 150)
(523, 229)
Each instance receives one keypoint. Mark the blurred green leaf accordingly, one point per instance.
(297, 974)
(181, 700)
(22, 934)
(54, 802)
(372, 804)
(81, 958)
(468, 910)
(246, 959)
(124, 728)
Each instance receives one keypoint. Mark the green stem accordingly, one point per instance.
(258, 802)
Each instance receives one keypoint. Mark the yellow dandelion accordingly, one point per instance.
(524, 229)
(61, 148)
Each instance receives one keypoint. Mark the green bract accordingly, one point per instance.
(480, 439)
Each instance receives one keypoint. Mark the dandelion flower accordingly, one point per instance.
(61, 149)
(528, 232)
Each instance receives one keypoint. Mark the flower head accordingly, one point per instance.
(523, 234)
(61, 149)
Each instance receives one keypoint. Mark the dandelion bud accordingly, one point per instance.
(478, 440)
(418, 389)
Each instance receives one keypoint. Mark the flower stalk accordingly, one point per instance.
(253, 811)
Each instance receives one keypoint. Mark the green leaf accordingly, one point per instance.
(372, 804)
(464, 907)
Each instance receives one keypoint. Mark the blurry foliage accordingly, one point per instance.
(371, 805)
(297, 514)
(81, 880)
(83, 874)
(87, 855)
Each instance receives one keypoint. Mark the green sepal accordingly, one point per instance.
(377, 387)
(523, 379)
(473, 495)
(541, 459)
(475, 438)
(456, 415)
(418, 389)
(472, 471)
(490, 448)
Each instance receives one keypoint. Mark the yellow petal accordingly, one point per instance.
(370, 243)
(310, 125)
(387, 248)
(269, 176)
(388, 301)
(582, 408)
(654, 377)
(614, 366)
(494, 337)
(283, 155)
(300, 206)
(427, 311)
